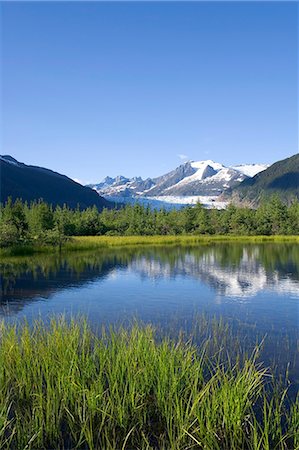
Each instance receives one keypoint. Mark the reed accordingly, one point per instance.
(63, 386)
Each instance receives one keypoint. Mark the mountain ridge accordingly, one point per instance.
(211, 183)
(19, 180)
(202, 178)
(281, 178)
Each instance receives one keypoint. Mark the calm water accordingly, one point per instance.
(254, 287)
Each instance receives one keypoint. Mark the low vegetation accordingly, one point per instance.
(38, 224)
(62, 386)
(93, 242)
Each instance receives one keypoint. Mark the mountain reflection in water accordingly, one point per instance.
(230, 271)
(253, 287)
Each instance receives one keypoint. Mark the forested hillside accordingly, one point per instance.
(40, 223)
(30, 183)
(282, 179)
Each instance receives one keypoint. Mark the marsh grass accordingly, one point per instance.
(90, 242)
(63, 386)
(77, 243)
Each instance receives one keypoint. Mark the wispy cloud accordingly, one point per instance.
(183, 157)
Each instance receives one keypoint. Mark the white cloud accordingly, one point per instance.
(183, 157)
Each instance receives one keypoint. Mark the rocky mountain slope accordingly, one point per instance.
(193, 178)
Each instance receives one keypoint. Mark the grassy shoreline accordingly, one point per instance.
(62, 386)
(96, 242)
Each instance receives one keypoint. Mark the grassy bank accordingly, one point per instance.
(64, 387)
(94, 242)
(89, 242)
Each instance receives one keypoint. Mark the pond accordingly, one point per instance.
(255, 288)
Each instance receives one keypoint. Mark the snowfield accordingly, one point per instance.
(170, 201)
(251, 169)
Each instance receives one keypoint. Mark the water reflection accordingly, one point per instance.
(245, 279)
(231, 271)
(253, 287)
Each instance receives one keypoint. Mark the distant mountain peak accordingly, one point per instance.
(203, 177)
(206, 162)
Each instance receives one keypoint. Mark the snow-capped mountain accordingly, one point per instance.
(209, 178)
(193, 178)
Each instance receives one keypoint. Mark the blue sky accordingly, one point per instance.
(96, 89)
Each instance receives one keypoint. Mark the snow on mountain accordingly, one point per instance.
(194, 179)
(209, 179)
(180, 201)
(204, 169)
(251, 169)
(122, 186)
(202, 164)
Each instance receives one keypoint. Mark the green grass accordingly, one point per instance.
(94, 242)
(88, 242)
(62, 386)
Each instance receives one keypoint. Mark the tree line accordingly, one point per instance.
(39, 222)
